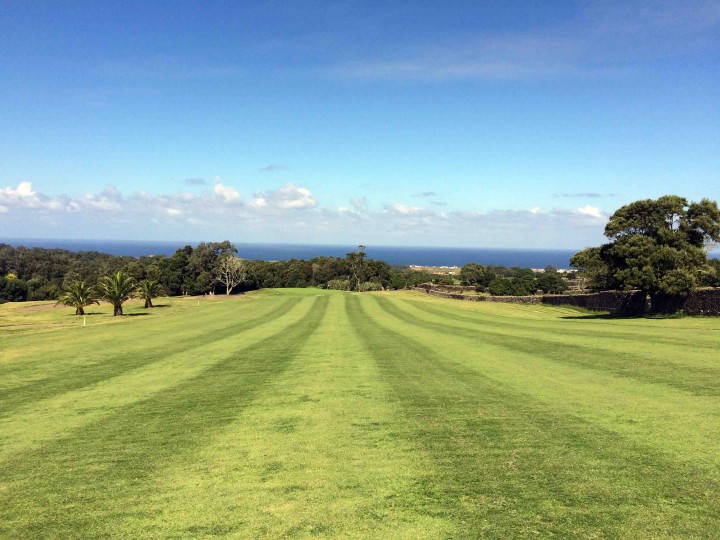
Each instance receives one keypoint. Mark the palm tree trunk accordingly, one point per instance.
(118, 310)
(79, 311)
(148, 303)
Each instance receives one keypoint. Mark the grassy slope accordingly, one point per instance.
(310, 413)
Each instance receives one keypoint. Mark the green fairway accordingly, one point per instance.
(310, 413)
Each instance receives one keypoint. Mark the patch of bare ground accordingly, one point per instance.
(42, 307)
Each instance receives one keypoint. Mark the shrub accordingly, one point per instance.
(370, 286)
(339, 284)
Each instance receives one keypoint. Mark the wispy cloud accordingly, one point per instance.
(426, 194)
(274, 167)
(505, 57)
(598, 42)
(585, 195)
(195, 181)
(360, 204)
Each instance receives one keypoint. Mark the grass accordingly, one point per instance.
(305, 413)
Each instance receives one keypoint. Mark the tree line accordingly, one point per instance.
(658, 246)
(208, 268)
(515, 281)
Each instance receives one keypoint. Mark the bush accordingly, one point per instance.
(370, 286)
(339, 284)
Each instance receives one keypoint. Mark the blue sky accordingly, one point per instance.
(491, 124)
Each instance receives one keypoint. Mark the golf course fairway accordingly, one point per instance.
(308, 413)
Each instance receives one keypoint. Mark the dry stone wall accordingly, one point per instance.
(699, 302)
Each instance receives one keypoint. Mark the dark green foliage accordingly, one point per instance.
(78, 295)
(471, 274)
(593, 272)
(551, 283)
(148, 289)
(501, 286)
(442, 279)
(512, 282)
(117, 289)
(656, 246)
(12, 290)
(711, 274)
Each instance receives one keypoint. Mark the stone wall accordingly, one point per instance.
(699, 302)
(621, 302)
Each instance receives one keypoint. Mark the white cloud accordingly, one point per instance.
(590, 211)
(228, 194)
(259, 201)
(99, 203)
(24, 196)
(285, 198)
(291, 213)
(404, 209)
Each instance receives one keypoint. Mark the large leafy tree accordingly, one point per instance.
(472, 274)
(657, 245)
(78, 295)
(117, 289)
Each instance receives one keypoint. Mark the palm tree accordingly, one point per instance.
(78, 295)
(116, 290)
(148, 289)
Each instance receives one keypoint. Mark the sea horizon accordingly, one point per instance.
(268, 251)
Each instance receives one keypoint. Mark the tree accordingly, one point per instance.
(117, 289)
(592, 271)
(148, 289)
(231, 271)
(657, 245)
(355, 262)
(202, 265)
(501, 286)
(551, 283)
(78, 295)
(471, 274)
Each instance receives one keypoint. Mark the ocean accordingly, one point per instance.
(402, 255)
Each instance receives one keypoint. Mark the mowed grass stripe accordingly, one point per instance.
(316, 454)
(568, 322)
(597, 354)
(507, 465)
(683, 425)
(72, 345)
(81, 485)
(47, 419)
(101, 360)
(673, 348)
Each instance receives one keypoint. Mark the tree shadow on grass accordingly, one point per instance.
(160, 306)
(134, 314)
